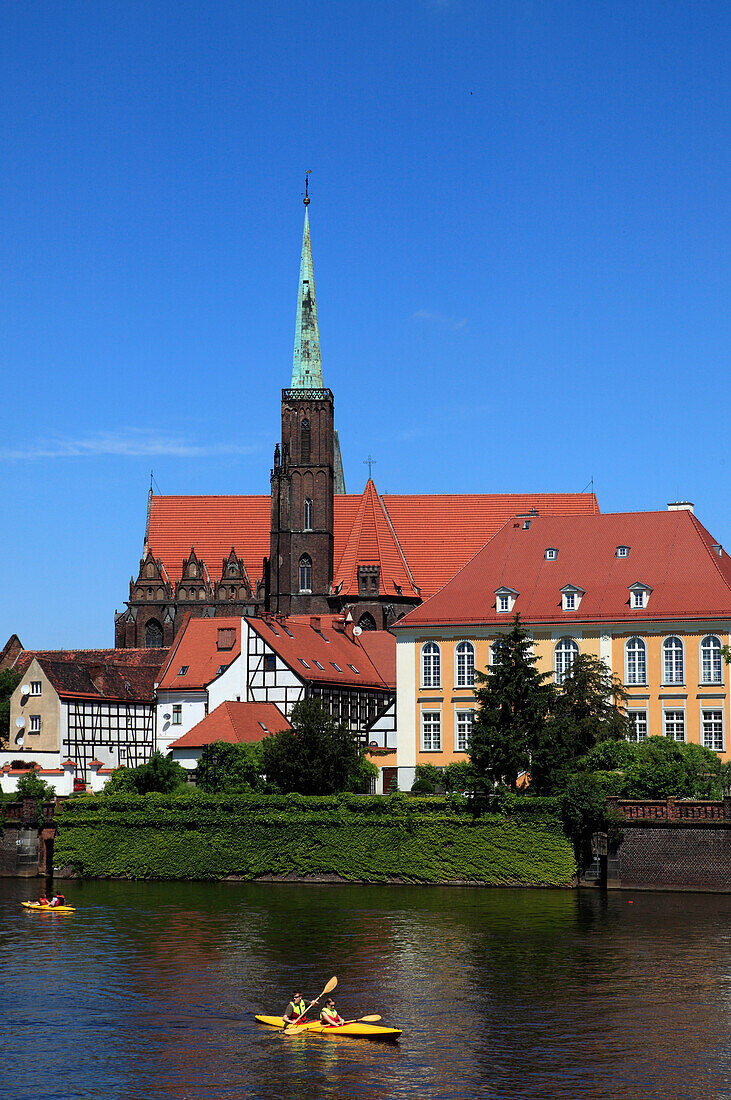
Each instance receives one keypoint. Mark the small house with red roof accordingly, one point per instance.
(78, 714)
(647, 592)
(234, 723)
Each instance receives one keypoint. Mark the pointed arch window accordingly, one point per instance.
(673, 665)
(465, 665)
(305, 573)
(153, 634)
(431, 665)
(305, 441)
(635, 662)
(564, 655)
(307, 516)
(711, 667)
(367, 622)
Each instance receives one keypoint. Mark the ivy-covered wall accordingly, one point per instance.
(356, 838)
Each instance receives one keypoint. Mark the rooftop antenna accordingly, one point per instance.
(589, 485)
(370, 463)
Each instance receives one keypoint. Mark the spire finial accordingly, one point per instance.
(306, 199)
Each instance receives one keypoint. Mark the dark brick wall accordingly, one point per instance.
(682, 856)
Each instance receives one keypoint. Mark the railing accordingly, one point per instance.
(306, 395)
(672, 809)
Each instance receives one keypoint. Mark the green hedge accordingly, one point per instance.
(358, 838)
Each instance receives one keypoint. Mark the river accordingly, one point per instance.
(149, 991)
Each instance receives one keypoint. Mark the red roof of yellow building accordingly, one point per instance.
(684, 571)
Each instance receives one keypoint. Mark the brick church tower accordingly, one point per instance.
(307, 468)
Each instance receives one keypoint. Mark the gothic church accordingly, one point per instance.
(309, 547)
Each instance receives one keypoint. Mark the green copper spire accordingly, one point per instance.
(307, 363)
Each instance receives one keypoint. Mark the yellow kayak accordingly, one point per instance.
(38, 908)
(361, 1031)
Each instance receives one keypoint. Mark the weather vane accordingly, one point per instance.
(306, 199)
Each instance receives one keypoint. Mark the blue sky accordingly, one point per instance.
(520, 226)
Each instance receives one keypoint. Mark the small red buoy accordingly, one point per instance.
(630, 903)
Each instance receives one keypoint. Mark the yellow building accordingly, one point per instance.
(647, 592)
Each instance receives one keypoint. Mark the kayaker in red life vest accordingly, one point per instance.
(295, 1010)
(59, 899)
(329, 1015)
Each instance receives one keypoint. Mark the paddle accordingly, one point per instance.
(328, 989)
(365, 1020)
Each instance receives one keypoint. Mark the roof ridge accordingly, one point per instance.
(396, 540)
(701, 530)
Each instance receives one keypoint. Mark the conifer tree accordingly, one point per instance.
(513, 702)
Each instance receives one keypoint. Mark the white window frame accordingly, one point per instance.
(673, 680)
(638, 717)
(713, 733)
(505, 600)
(460, 712)
(36, 687)
(571, 596)
(304, 569)
(464, 669)
(430, 661)
(435, 724)
(550, 553)
(716, 658)
(563, 644)
(503, 603)
(672, 719)
(635, 678)
(622, 552)
(35, 723)
(307, 514)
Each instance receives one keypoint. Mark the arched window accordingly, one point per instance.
(673, 670)
(305, 441)
(431, 665)
(305, 573)
(153, 634)
(564, 655)
(711, 660)
(307, 518)
(635, 662)
(367, 622)
(465, 665)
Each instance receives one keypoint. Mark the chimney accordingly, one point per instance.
(339, 624)
(316, 623)
(680, 506)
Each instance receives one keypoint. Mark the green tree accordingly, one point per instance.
(159, 775)
(513, 703)
(584, 811)
(663, 768)
(31, 785)
(428, 779)
(317, 756)
(9, 680)
(587, 709)
(224, 766)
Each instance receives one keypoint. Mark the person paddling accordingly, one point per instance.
(329, 1016)
(296, 1010)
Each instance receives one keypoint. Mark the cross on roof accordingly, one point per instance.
(370, 463)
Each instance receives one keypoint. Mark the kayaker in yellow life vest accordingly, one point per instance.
(329, 1015)
(295, 1010)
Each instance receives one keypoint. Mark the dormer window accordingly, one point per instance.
(550, 553)
(622, 551)
(639, 595)
(571, 596)
(505, 599)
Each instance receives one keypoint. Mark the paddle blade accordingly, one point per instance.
(370, 1019)
(329, 987)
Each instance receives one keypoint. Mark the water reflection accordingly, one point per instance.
(150, 990)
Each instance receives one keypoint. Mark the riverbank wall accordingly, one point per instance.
(347, 837)
(26, 838)
(671, 845)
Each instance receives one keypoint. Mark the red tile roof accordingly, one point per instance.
(196, 650)
(433, 535)
(372, 541)
(670, 552)
(301, 646)
(125, 674)
(235, 723)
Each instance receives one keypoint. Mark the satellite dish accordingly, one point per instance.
(20, 722)
(357, 630)
(25, 689)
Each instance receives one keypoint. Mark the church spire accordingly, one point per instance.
(307, 363)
